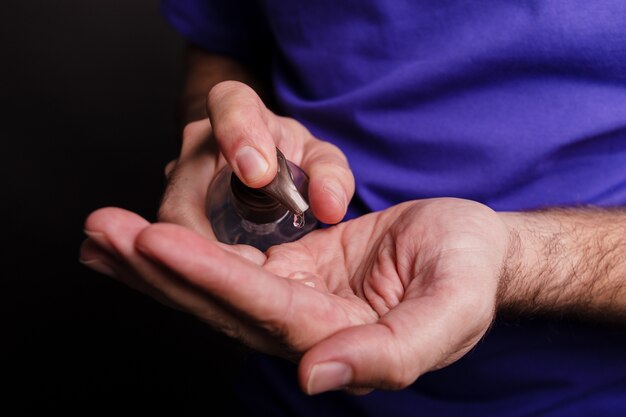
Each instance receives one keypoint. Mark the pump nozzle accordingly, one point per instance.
(283, 189)
(267, 204)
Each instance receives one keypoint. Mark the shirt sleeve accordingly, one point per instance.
(235, 28)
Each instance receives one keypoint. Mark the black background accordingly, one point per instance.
(88, 95)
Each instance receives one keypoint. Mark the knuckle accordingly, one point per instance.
(167, 214)
(192, 129)
(398, 378)
(188, 130)
(289, 124)
(399, 381)
(331, 153)
(233, 120)
(403, 365)
(175, 209)
(336, 152)
(327, 155)
(218, 320)
(343, 171)
(234, 332)
(169, 168)
(169, 211)
(224, 88)
(233, 128)
(342, 175)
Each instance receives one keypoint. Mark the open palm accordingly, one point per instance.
(372, 302)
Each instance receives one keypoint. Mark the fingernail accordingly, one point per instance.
(99, 266)
(251, 164)
(101, 240)
(337, 191)
(328, 376)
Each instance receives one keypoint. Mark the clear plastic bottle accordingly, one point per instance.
(264, 217)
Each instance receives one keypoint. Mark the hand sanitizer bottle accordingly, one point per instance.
(263, 217)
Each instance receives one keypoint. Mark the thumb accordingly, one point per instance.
(413, 338)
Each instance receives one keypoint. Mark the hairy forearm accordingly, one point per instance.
(566, 261)
(204, 70)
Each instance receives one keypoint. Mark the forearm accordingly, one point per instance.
(566, 261)
(204, 70)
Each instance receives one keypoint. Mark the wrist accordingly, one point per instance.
(565, 261)
(532, 277)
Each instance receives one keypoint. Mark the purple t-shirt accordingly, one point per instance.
(516, 104)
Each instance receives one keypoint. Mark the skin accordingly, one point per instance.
(372, 290)
(239, 122)
(374, 302)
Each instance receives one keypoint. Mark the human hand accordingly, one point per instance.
(374, 302)
(242, 132)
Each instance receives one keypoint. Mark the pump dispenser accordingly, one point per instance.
(261, 217)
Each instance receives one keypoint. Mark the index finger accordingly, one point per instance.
(240, 124)
(280, 306)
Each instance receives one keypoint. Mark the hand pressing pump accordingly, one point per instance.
(261, 217)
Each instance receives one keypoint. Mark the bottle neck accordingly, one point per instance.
(255, 205)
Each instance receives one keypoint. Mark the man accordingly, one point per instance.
(501, 108)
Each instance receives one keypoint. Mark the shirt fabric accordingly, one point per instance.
(515, 104)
